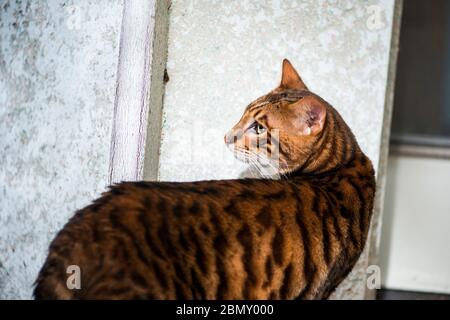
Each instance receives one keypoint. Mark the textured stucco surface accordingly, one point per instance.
(222, 55)
(58, 63)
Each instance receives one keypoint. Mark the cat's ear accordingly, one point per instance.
(310, 117)
(315, 114)
(290, 78)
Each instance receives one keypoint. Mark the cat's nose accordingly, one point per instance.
(233, 136)
(228, 138)
(225, 138)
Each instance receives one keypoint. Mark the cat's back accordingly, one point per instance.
(167, 236)
(229, 239)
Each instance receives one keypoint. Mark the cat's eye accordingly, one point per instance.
(258, 128)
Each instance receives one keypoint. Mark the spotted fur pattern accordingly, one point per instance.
(295, 237)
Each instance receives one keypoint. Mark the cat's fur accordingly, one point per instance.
(296, 237)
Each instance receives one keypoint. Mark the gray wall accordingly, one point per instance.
(58, 62)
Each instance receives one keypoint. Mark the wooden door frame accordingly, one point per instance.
(139, 94)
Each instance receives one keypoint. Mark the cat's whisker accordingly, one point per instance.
(265, 164)
(252, 159)
(262, 170)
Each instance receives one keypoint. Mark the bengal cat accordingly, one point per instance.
(295, 237)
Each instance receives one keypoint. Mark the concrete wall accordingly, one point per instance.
(222, 55)
(58, 62)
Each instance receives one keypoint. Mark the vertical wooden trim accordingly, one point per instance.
(137, 57)
(157, 89)
(375, 229)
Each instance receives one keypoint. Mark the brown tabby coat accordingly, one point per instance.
(292, 238)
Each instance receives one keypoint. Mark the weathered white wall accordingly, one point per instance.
(58, 63)
(224, 54)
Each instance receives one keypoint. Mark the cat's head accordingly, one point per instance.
(282, 129)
